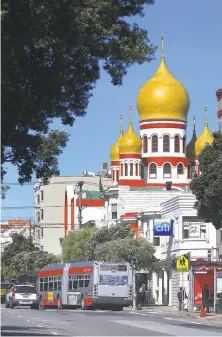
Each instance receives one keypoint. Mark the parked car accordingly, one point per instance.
(5, 288)
(22, 295)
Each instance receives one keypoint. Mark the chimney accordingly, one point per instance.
(105, 166)
(168, 185)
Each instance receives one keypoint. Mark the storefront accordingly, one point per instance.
(205, 273)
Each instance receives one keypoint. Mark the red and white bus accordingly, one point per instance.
(93, 284)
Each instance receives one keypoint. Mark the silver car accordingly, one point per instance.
(22, 295)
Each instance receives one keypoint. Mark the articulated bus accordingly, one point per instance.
(93, 284)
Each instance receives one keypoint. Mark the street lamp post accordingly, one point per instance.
(134, 262)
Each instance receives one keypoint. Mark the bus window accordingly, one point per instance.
(75, 285)
(45, 286)
(50, 286)
(59, 284)
(41, 286)
(81, 283)
(70, 285)
(86, 283)
(55, 285)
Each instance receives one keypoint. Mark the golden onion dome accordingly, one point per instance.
(130, 143)
(205, 137)
(163, 97)
(190, 150)
(114, 152)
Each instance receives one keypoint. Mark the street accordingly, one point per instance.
(54, 322)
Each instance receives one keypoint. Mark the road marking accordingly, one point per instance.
(28, 320)
(54, 333)
(40, 326)
(169, 318)
(50, 309)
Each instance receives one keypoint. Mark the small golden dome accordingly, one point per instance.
(205, 137)
(163, 97)
(190, 150)
(130, 142)
(114, 152)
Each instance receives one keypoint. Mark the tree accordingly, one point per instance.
(52, 53)
(74, 245)
(19, 244)
(29, 263)
(207, 187)
(120, 250)
(107, 234)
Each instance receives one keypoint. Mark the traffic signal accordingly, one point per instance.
(134, 262)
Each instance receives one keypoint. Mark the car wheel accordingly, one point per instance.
(11, 306)
(83, 304)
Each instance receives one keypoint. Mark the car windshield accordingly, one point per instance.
(6, 285)
(25, 289)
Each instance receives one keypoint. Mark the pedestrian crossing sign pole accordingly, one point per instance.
(182, 265)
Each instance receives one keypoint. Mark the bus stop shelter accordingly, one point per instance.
(205, 273)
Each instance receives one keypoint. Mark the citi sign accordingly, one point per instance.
(163, 227)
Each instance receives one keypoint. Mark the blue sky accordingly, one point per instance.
(193, 53)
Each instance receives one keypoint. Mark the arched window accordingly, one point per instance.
(117, 175)
(154, 143)
(184, 144)
(152, 173)
(177, 144)
(126, 169)
(136, 169)
(145, 144)
(166, 143)
(131, 169)
(180, 168)
(167, 170)
(142, 171)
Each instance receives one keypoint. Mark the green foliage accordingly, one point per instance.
(29, 263)
(120, 250)
(74, 245)
(19, 244)
(52, 52)
(116, 243)
(107, 234)
(208, 186)
(4, 189)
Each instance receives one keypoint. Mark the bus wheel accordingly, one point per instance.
(59, 306)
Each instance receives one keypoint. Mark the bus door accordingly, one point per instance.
(65, 282)
(113, 281)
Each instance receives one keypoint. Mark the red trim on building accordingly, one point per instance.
(91, 202)
(50, 272)
(162, 126)
(130, 155)
(136, 228)
(65, 214)
(80, 270)
(115, 163)
(141, 183)
(174, 161)
(72, 213)
(129, 215)
(219, 94)
(219, 113)
(163, 120)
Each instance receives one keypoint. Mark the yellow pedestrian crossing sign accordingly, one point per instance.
(182, 264)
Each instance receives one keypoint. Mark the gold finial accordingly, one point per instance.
(121, 123)
(194, 123)
(130, 111)
(206, 114)
(162, 46)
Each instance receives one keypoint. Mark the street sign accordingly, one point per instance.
(182, 264)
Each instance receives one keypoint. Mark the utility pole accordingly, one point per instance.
(134, 262)
(80, 185)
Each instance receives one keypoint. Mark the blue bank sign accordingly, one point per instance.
(163, 227)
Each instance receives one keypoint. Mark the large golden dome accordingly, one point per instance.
(130, 143)
(114, 152)
(205, 137)
(163, 97)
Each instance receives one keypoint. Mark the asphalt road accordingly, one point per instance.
(53, 322)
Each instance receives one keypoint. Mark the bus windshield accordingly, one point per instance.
(113, 280)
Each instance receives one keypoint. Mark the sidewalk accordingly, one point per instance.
(211, 318)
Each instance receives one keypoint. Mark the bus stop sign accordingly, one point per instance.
(182, 264)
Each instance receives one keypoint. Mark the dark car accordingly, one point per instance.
(5, 287)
